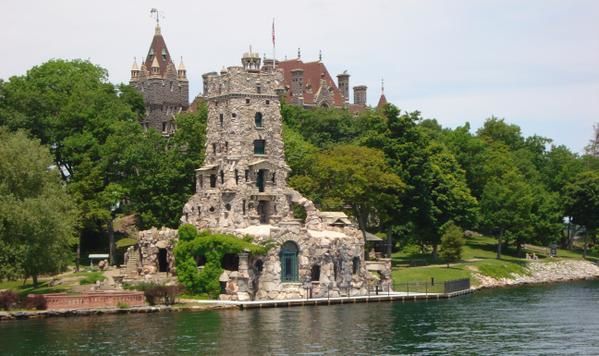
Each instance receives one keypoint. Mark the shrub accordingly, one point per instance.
(122, 305)
(36, 301)
(161, 294)
(8, 299)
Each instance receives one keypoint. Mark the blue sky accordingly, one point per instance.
(534, 62)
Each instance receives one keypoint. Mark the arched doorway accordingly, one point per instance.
(289, 268)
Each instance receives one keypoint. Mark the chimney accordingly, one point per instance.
(343, 84)
(297, 83)
(360, 94)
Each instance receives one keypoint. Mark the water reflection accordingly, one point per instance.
(558, 319)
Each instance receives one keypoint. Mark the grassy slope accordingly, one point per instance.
(478, 255)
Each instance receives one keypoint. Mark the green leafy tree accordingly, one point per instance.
(452, 243)
(582, 202)
(506, 207)
(37, 217)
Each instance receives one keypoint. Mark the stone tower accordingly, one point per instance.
(343, 84)
(360, 94)
(164, 87)
(243, 179)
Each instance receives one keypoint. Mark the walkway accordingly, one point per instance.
(386, 297)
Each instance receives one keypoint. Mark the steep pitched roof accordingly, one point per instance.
(159, 52)
(382, 102)
(313, 73)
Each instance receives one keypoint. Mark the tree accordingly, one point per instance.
(582, 202)
(359, 177)
(38, 219)
(506, 206)
(452, 243)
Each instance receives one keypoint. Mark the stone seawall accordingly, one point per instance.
(544, 272)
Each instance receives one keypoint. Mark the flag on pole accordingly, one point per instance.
(273, 31)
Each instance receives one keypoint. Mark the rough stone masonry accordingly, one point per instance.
(241, 189)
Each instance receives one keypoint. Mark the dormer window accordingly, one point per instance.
(164, 54)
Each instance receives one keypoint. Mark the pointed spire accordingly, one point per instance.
(320, 55)
(134, 67)
(181, 65)
(299, 53)
(382, 86)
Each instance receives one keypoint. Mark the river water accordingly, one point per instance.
(551, 319)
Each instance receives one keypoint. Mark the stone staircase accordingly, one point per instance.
(132, 265)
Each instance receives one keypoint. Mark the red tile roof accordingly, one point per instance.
(312, 75)
(382, 102)
(157, 45)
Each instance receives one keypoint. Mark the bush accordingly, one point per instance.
(36, 301)
(8, 299)
(122, 305)
(161, 294)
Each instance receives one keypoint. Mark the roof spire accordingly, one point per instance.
(299, 53)
(320, 55)
(382, 86)
(154, 13)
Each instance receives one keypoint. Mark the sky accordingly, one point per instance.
(534, 62)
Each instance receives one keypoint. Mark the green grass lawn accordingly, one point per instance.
(479, 255)
(28, 287)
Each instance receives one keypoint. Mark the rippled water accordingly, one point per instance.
(555, 319)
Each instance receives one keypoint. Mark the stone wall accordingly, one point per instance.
(94, 300)
(149, 244)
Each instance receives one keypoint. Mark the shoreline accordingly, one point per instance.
(539, 272)
(543, 272)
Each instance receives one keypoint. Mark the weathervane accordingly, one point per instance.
(154, 13)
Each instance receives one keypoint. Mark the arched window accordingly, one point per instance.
(258, 119)
(288, 258)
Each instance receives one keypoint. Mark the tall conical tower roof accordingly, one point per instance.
(158, 51)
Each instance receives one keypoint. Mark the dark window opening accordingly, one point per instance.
(273, 177)
(164, 127)
(233, 115)
(222, 177)
(201, 179)
(243, 206)
(228, 207)
(247, 175)
(162, 260)
(212, 209)
(226, 146)
(200, 260)
(259, 147)
(247, 101)
(214, 148)
(258, 89)
(258, 119)
(315, 273)
(260, 180)
(221, 117)
(267, 102)
(259, 266)
(335, 271)
(263, 207)
(236, 176)
(213, 181)
(356, 265)
(230, 262)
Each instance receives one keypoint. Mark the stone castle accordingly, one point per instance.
(164, 87)
(241, 188)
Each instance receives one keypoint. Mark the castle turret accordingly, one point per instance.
(251, 61)
(343, 84)
(360, 94)
(164, 86)
(134, 71)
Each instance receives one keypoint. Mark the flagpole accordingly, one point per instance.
(274, 53)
